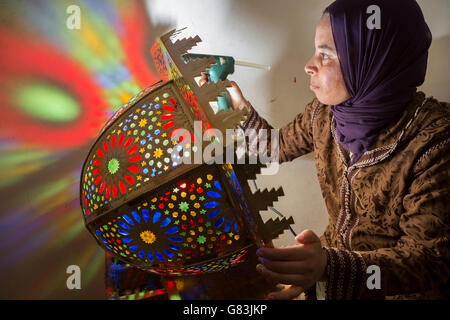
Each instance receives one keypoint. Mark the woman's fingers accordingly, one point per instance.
(275, 277)
(288, 267)
(237, 98)
(290, 293)
(292, 253)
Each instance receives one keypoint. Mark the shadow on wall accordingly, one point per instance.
(58, 86)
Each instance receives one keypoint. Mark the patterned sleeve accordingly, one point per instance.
(294, 139)
(420, 261)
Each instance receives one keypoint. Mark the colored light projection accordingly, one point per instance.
(58, 87)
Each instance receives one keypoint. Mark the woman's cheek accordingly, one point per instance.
(333, 86)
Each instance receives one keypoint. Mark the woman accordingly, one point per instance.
(382, 156)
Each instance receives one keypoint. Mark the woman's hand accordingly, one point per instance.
(300, 266)
(237, 98)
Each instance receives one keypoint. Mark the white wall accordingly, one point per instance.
(281, 34)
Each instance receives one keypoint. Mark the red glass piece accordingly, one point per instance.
(135, 158)
(132, 150)
(134, 169)
(122, 187)
(113, 142)
(127, 143)
(114, 191)
(167, 116)
(121, 140)
(107, 191)
(97, 162)
(100, 153)
(96, 171)
(169, 108)
(129, 179)
(102, 187)
(105, 146)
(169, 124)
(97, 180)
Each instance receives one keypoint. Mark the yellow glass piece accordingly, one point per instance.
(192, 232)
(200, 229)
(193, 213)
(183, 194)
(199, 180)
(236, 237)
(174, 214)
(192, 197)
(209, 177)
(196, 205)
(148, 236)
(174, 197)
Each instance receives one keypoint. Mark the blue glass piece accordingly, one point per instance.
(127, 219)
(133, 248)
(150, 256)
(142, 254)
(174, 247)
(227, 226)
(156, 216)
(176, 239)
(213, 194)
(123, 225)
(219, 222)
(217, 185)
(145, 215)
(214, 213)
(169, 254)
(98, 232)
(159, 256)
(236, 227)
(172, 230)
(136, 216)
(104, 240)
(122, 232)
(211, 204)
(127, 240)
(165, 222)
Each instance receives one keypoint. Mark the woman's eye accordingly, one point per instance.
(324, 56)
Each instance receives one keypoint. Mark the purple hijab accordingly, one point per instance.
(381, 67)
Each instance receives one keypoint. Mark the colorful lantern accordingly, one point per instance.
(145, 206)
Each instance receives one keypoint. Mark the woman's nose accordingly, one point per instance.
(310, 69)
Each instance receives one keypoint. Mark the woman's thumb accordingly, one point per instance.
(307, 236)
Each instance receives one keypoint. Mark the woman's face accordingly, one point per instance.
(324, 68)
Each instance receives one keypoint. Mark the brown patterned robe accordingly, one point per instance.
(390, 209)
